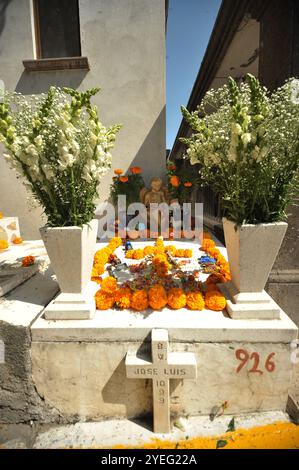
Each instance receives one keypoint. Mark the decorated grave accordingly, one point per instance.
(161, 341)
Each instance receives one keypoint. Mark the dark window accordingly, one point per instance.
(57, 28)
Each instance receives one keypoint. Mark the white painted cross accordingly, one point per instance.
(164, 366)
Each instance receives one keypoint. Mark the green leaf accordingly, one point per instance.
(221, 443)
(231, 425)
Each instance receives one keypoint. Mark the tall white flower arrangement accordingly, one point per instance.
(246, 141)
(57, 143)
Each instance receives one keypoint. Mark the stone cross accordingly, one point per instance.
(164, 366)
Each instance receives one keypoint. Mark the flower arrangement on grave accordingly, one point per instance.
(127, 185)
(182, 180)
(57, 143)
(246, 141)
(159, 279)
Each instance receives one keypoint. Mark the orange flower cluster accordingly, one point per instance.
(157, 297)
(1, 215)
(195, 301)
(176, 298)
(28, 261)
(214, 300)
(208, 245)
(161, 265)
(101, 258)
(3, 244)
(175, 181)
(135, 170)
(159, 249)
(123, 297)
(139, 300)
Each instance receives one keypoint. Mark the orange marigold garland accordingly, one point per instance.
(139, 300)
(214, 300)
(195, 301)
(157, 297)
(176, 298)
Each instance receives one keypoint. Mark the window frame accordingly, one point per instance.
(37, 35)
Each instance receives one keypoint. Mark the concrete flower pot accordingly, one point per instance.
(252, 250)
(71, 251)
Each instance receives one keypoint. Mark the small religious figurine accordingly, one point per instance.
(156, 194)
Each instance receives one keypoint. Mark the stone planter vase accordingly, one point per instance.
(251, 250)
(71, 251)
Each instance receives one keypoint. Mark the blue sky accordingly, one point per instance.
(190, 23)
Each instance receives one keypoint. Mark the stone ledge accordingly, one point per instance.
(60, 63)
(183, 326)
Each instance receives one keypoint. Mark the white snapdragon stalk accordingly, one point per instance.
(59, 146)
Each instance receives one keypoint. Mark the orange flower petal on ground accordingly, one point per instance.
(139, 301)
(176, 298)
(104, 300)
(118, 171)
(175, 181)
(3, 244)
(214, 300)
(28, 261)
(123, 179)
(195, 301)
(157, 297)
(109, 284)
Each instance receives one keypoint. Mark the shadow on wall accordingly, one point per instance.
(40, 82)
(3, 5)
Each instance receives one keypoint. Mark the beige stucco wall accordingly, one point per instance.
(125, 45)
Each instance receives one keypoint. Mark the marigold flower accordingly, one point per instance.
(159, 242)
(159, 250)
(180, 253)
(214, 300)
(130, 254)
(207, 236)
(104, 300)
(96, 279)
(148, 250)
(1, 215)
(188, 184)
(123, 179)
(138, 254)
(207, 244)
(118, 171)
(139, 300)
(171, 249)
(115, 242)
(28, 261)
(175, 181)
(100, 257)
(135, 170)
(188, 253)
(195, 301)
(17, 240)
(176, 298)
(97, 270)
(3, 244)
(123, 297)
(157, 297)
(109, 284)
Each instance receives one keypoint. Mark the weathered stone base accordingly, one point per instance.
(79, 367)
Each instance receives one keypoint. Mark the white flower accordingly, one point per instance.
(32, 150)
(66, 160)
(39, 141)
(49, 173)
(246, 138)
(236, 128)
